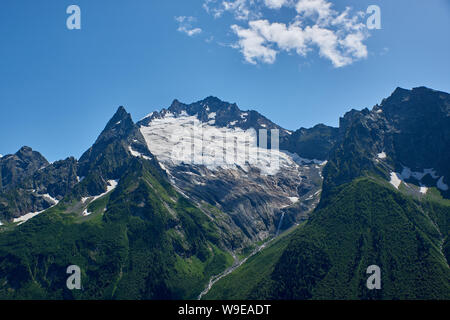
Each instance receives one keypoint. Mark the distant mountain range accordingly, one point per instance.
(148, 214)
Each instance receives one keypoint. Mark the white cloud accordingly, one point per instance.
(185, 25)
(309, 8)
(240, 9)
(337, 36)
(275, 4)
(253, 46)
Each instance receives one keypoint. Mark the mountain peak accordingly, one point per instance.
(121, 117)
(24, 149)
(27, 154)
(213, 99)
(121, 113)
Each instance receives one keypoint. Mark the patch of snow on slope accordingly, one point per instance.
(423, 189)
(55, 201)
(185, 139)
(26, 217)
(395, 180)
(112, 184)
(212, 115)
(137, 154)
(441, 185)
(302, 161)
(381, 155)
(294, 199)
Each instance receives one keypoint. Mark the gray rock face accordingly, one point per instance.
(312, 143)
(253, 197)
(34, 190)
(410, 130)
(24, 163)
(247, 201)
(255, 202)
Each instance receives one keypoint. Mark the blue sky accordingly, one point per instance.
(59, 87)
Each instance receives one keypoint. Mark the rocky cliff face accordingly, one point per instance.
(193, 143)
(31, 184)
(406, 137)
(16, 167)
(384, 202)
(250, 190)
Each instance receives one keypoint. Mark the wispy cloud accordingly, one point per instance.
(185, 25)
(337, 36)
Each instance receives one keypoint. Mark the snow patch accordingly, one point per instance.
(423, 190)
(186, 139)
(381, 155)
(55, 201)
(395, 180)
(112, 184)
(26, 217)
(294, 199)
(137, 154)
(212, 115)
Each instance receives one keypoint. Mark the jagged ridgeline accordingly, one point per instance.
(138, 223)
(142, 240)
(142, 222)
(384, 202)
